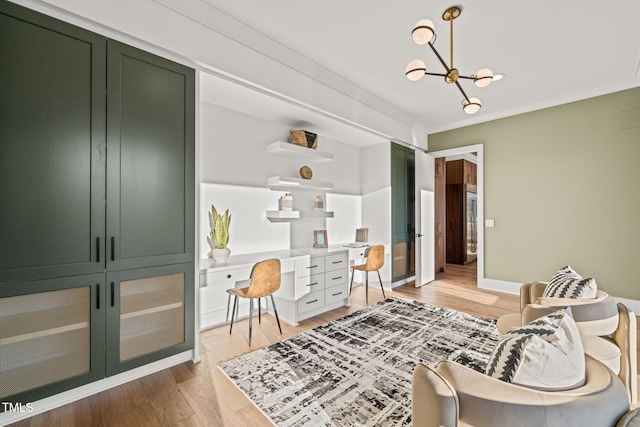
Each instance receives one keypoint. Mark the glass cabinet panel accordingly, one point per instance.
(151, 314)
(44, 338)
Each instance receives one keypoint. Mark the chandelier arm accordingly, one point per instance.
(436, 74)
(444, 64)
(467, 77)
(462, 91)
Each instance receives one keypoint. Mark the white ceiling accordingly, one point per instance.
(552, 52)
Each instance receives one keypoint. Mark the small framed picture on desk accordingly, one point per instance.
(320, 239)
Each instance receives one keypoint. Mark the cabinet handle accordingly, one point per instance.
(311, 302)
(98, 250)
(112, 295)
(98, 296)
(336, 262)
(336, 278)
(312, 284)
(313, 266)
(335, 295)
(113, 248)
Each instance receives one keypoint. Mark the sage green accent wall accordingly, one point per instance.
(563, 186)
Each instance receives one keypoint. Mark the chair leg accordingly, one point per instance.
(250, 319)
(381, 287)
(367, 288)
(259, 312)
(275, 311)
(228, 303)
(353, 271)
(234, 313)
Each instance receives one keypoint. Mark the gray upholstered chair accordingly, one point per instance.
(452, 395)
(607, 328)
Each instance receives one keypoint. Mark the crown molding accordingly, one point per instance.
(546, 103)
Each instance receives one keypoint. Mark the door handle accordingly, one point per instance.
(419, 235)
(98, 296)
(98, 250)
(112, 295)
(113, 248)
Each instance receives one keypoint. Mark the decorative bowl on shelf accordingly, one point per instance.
(303, 138)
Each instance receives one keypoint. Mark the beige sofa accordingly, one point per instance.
(607, 328)
(453, 395)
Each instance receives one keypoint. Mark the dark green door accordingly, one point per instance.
(150, 315)
(150, 161)
(402, 212)
(52, 147)
(52, 336)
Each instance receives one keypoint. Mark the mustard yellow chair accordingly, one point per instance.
(375, 261)
(264, 282)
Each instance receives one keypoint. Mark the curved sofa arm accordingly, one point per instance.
(488, 402)
(626, 338)
(434, 403)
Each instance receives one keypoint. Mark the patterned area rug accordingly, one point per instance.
(356, 370)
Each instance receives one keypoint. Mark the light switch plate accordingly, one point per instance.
(489, 223)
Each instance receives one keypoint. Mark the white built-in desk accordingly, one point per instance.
(313, 281)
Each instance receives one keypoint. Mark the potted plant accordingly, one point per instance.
(219, 235)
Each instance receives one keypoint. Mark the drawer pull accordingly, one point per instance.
(336, 262)
(335, 295)
(228, 276)
(336, 278)
(312, 284)
(311, 302)
(313, 266)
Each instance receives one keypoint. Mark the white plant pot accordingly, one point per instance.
(220, 255)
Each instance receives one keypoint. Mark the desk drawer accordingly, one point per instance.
(309, 266)
(336, 262)
(228, 278)
(336, 277)
(310, 284)
(336, 293)
(310, 301)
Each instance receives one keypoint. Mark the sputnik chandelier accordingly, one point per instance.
(424, 33)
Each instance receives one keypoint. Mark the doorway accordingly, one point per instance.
(461, 248)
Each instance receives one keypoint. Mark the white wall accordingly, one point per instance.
(234, 166)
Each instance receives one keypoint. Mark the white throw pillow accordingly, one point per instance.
(567, 283)
(546, 354)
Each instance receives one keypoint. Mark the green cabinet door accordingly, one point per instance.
(150, 160)
(52, 336)
(52, 147)
(150, 315)
(402, 211)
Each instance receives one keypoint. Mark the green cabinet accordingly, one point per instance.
(150, 314)
(52, 147)
(150, 162)
(52, 336)
(97, 198)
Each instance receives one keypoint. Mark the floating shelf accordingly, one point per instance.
(275, 216)
(287, 183)
(298, 152)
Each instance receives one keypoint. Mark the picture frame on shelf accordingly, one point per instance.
(320, 239)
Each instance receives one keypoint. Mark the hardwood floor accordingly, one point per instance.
(200, 395)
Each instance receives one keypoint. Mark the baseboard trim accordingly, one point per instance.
(499, 286)
(61, 399)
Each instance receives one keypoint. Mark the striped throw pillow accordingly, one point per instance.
(567, 283)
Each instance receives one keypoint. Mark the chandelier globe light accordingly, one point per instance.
(423, 33)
